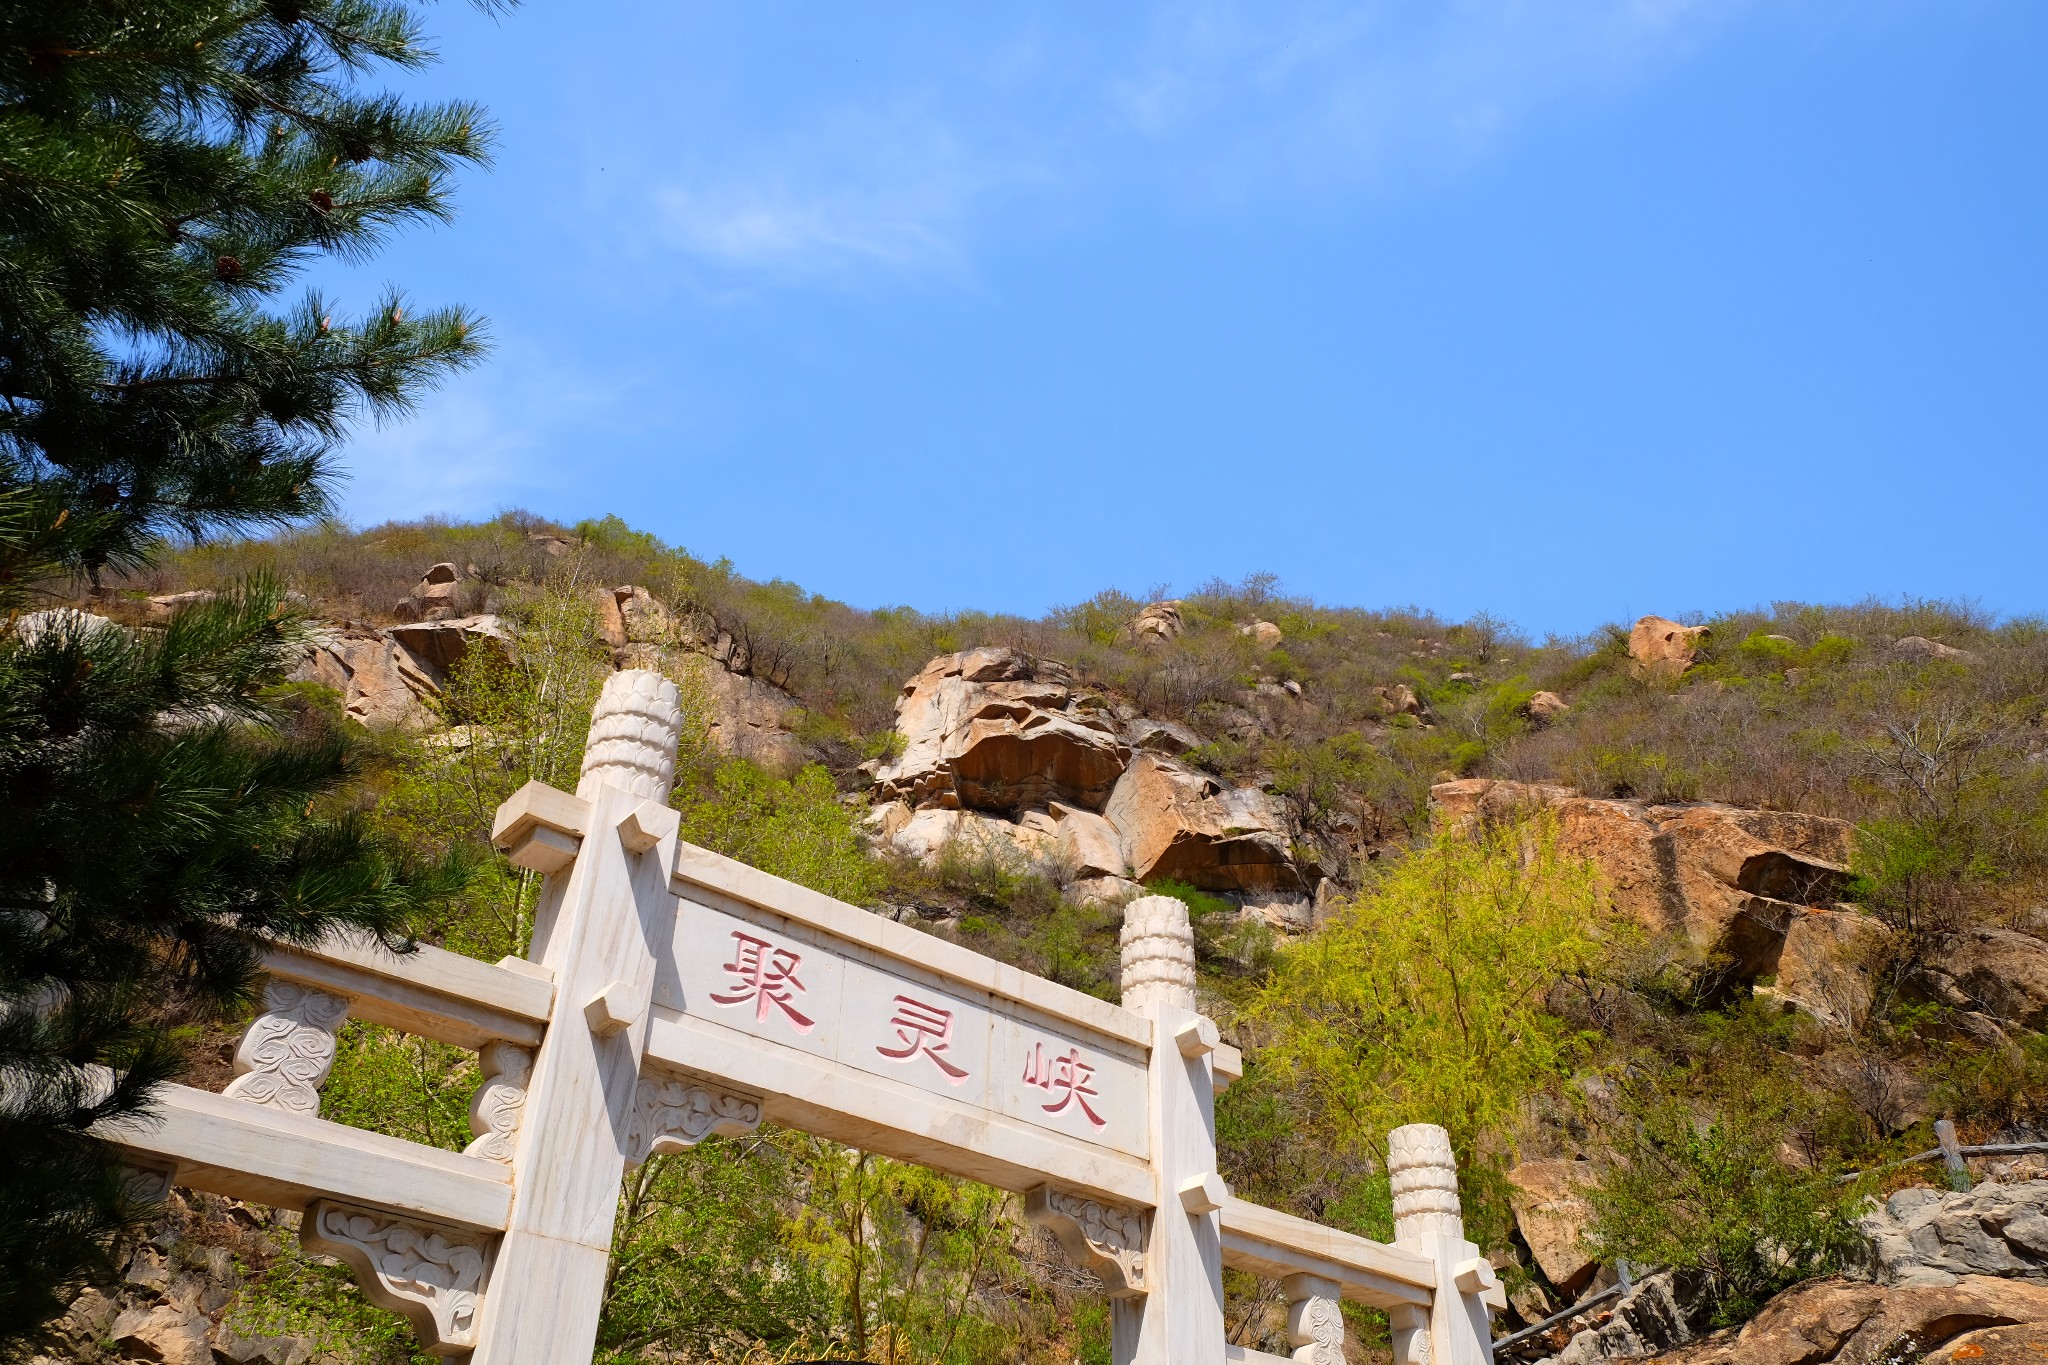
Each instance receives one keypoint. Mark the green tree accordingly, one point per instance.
(1699, 1181)
(166, 168)
(1423, 1000)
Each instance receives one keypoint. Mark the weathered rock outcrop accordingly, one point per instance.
(1731, 879)
(749, 718)
(444, 643)
(1824, 966)
(1649, 1318)
(1664, 649)
(383, 685)
(995, 729)
(2000, 971)
(1547, 707)
(1844, 1322)
(1925, 1236)
(1156, 623)
(1264, 634)
(1550, 1207)
(631, 615)
(1184, 825)
(436, 597)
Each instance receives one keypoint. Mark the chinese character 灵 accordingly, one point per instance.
(765, 975)
(1066, 1073)
(925, 1029)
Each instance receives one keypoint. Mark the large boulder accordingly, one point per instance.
(1846, 1322)
(1732, 880)
(998, 730)
(1264, 634)
(1087, 843)
(436, 597)
(1549, 1200)
(1156, 623)
(1659, 648)
(1923, 1236)
(1180, 824)
(382, 683)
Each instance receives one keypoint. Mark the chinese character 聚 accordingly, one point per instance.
(926, 1029)
(1066, 1073)
(767, 976)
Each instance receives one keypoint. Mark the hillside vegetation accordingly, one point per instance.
(1477, 975)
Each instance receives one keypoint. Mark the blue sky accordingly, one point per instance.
(1568, 310)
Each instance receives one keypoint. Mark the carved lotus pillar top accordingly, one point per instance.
(633, 733)
(1424, 1174)
(1158, 953)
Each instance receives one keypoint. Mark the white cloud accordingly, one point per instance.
(1221, 98)
(895, 189)
(486, 440)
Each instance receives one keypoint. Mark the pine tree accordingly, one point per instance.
(166, 168)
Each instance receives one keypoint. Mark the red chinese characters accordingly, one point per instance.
(764, 975)
(924, 1031)
(1065, 1074)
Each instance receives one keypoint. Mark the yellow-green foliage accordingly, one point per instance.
(1423, 1000)
(793, 827)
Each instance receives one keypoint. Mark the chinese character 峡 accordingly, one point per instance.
(923, 1028)
(1066, 1073)
(767, 976)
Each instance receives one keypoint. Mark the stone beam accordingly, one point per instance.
(1275, 1245)
(286, 1160)
(817, 1095)
(432, 992)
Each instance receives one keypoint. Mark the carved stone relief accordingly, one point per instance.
(288, 1049)
(495, 1109)
(1315, 1319)
(1104, 1238)
(674, 1115)
(432, 1275)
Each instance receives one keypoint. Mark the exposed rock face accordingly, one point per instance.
(1546, 707)
(1930, 1237)
(1157, 623)
(1162, 737)
(1647, 1319)
(1663, 649)
(631, 615)
(1995, 1346)
(1552, 1212)
(1088, 843)
(383, 685)
(434, 598)
(2002, 971)
(442, 644)
(1732, 880)
(178, 1304)
(1841, 1322)
(749, 718)
(1824, 967)
(1181, 824)
(995, 729)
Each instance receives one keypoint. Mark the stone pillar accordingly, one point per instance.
(595, 929)
(1179, 1319)
(1427, 1220)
